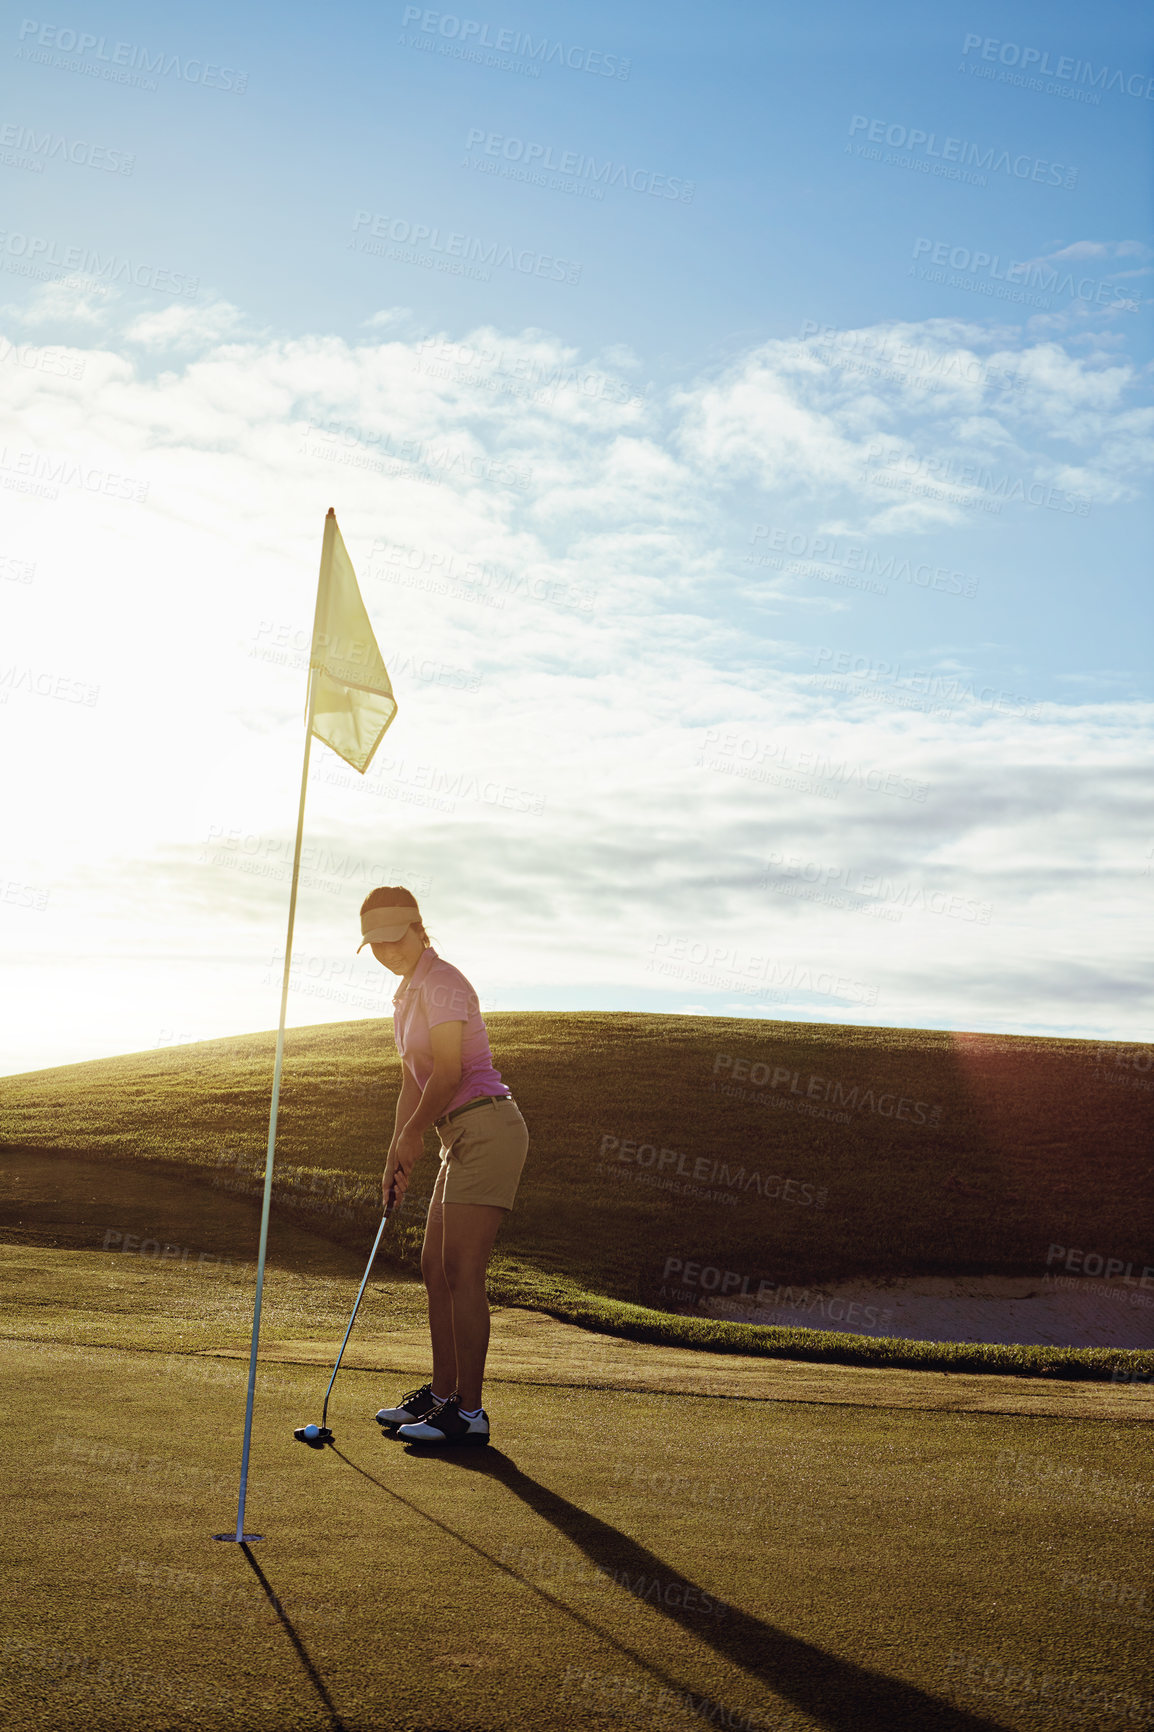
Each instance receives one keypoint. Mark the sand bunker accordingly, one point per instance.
(1029, 1310)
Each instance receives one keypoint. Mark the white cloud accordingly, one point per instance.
(71, 300)
(1078, 250)
(186, 329)
(544, 570)
(387, 316)
(939, 413)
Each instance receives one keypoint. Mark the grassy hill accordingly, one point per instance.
(770, 1151)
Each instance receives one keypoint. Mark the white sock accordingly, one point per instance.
(472, 1413)
(437, 1397)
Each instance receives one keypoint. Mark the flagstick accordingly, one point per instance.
(240, 1536)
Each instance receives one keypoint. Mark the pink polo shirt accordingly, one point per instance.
(437, 992)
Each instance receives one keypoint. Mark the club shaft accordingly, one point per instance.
(356, 1308)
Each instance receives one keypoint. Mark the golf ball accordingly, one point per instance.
(312, 1430)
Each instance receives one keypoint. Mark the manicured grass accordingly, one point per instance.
(961, 1154)
(612, 1560)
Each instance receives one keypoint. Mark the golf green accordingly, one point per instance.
(615, 1558)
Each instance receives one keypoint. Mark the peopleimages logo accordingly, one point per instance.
(914, 688)
(851, 881)
(962, 153)
(443, 460)
(998, 489)
(829, 1089)
(1077, 72)
(39, 252)
(1078, 1261)
(61, 362)
(48, 146)
(857, 557)
(881, 354)
(124, 59)
(702, 1171)
(792, 975)
(1037, 275)
(472, 33)
(573, 162)
(463, 253)
(753, 752)
(46, 473)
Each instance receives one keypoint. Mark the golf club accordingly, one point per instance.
(316, 1436)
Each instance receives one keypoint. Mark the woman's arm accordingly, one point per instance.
(406, 1104)
(445, 1041)
(418, 1110)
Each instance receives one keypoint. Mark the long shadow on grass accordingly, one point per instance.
(840, 1695)
(703, 1707)
(315, 1678)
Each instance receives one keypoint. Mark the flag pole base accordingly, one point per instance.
(239, 1539)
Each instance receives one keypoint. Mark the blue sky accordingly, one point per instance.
(807, 414)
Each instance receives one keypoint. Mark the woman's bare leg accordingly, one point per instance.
(439, 1292)
(468, 1234)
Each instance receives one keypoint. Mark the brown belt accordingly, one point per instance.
(481, 1100)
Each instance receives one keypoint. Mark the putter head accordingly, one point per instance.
(323, 1436)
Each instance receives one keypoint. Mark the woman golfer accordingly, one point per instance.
(448, 1084)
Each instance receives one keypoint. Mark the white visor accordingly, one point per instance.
(386, 925)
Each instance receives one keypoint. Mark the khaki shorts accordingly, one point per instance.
(482, 1154)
